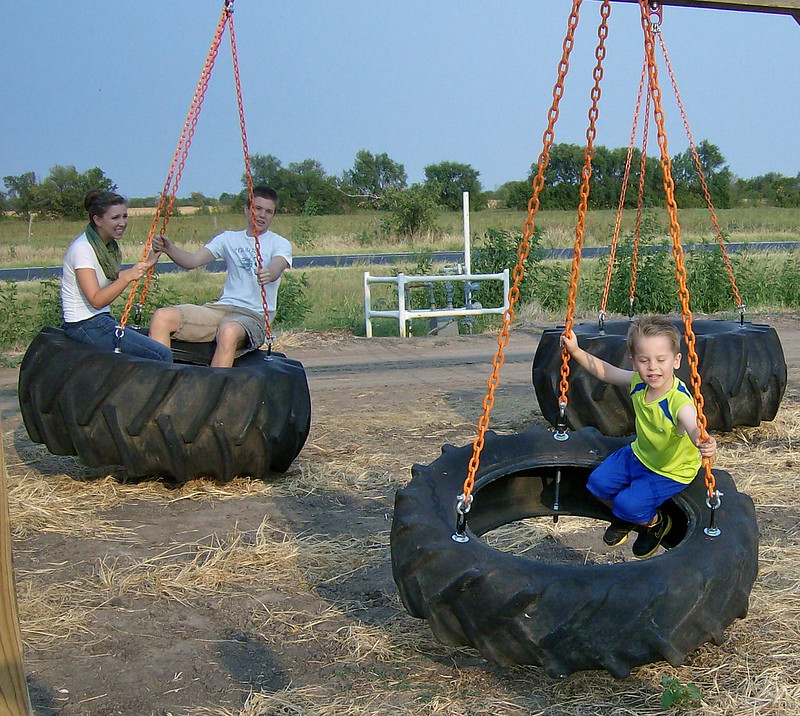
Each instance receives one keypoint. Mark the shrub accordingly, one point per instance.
(413, 212)
(292, 302)
(656, 287)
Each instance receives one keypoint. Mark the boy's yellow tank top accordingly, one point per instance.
(658, 444)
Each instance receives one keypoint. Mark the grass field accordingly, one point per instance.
(362, 232)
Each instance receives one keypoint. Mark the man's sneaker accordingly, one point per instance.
(617, 532)
(650, 538)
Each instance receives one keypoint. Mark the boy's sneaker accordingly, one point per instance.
(650, 538)
(617, 532)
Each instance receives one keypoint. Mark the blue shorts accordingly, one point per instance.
(635, 491)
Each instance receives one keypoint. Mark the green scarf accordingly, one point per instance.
(108, 254)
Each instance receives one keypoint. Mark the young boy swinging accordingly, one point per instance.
(665, 457)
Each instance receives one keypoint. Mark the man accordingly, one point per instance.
(236, 320)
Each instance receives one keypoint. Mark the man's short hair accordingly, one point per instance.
(262, 191)
(646, 326)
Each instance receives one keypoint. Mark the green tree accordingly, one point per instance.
(20, 192)
(688, 189)
(61, 194)
(373, 176)
(771, 189)
(299, 185)
(267, 169)
(447, 181)
(515, 194)
(63, 191)
(561, 177)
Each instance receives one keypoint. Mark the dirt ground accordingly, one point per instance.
(275, 596)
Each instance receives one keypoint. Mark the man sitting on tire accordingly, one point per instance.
(637, 479)
(236, 320)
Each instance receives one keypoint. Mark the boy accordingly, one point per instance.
(637, 479)
(236, 320)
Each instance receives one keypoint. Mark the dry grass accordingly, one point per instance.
(392, 665)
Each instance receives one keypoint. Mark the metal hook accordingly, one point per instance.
(557, 495)
(712, 530)
(119, 332)
(462, 507)
(656, 16)
(137, 315)
(561, 433)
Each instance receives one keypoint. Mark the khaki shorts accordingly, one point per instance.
(199, 324)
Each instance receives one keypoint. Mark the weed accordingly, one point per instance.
(679, 695)
(13, 321)
(292, 302)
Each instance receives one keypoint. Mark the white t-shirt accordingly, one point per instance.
(238, 251)
(74, 304)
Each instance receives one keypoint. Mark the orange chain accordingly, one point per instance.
(675, 232)
(249, 174)
(167, 198)
(580, 227)
(523, 250)
(637, 225)
(623, 192)
(701, 175)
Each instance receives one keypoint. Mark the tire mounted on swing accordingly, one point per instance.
(565, 616)
(741, 366)
(164, 419)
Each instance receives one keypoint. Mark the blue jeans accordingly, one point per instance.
(99, 331)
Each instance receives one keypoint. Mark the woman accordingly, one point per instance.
(91, 280)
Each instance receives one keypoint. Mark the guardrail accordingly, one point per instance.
(404, 314)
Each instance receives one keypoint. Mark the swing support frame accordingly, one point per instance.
(783, 7)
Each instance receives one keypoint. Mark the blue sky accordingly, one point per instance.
(98, 83)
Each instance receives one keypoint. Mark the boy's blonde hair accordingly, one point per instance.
(646, 326)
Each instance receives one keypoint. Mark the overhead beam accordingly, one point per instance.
(785, 7)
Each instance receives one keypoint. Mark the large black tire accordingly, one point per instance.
(742, 371)
(565, 617)
(162, 419)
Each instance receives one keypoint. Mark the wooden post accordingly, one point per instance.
(14, 699)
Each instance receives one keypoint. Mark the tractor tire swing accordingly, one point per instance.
(741, 364)
(181, 420)
(164, 419)
(567, 617)
(742, 367)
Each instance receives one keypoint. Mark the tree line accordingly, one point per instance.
(378, 181)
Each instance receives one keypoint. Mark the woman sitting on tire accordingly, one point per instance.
(91, 280)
